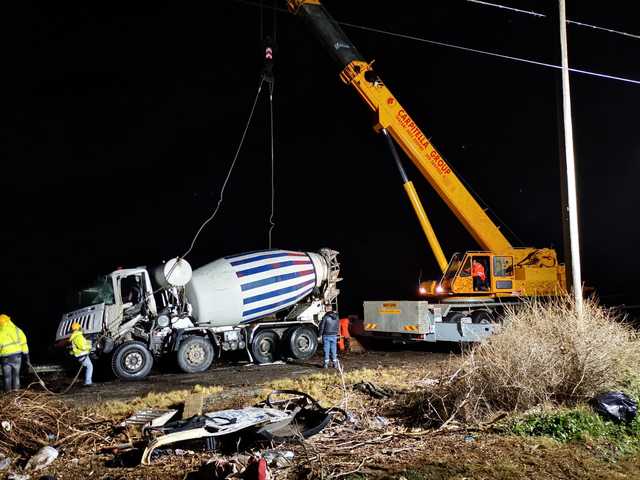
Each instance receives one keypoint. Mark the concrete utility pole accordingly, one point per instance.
(571, 167)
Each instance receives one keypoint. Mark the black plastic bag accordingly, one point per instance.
(616, 406)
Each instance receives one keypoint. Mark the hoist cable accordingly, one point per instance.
(261, 20)
(273, 187)
(231, 167)
(271, 81)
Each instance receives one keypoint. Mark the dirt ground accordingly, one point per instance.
(243, 375)
(357, 451)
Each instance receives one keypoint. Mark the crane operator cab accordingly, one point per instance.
(475, 273)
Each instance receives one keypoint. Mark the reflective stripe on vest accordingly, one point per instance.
(80, 345)
(10, 343)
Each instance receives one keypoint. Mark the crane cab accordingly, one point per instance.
(519, 272)
(475, 274)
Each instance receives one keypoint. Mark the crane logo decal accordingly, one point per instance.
(410, 126)
(438, 162)
(421, 141)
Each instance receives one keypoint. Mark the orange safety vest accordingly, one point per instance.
(344, 332)
(477, 270)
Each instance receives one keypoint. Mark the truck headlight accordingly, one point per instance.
(163, 321)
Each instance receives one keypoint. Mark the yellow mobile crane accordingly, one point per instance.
(458, 308)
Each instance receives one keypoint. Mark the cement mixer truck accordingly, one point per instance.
(267, 303)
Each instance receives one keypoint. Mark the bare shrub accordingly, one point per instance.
(544, 354)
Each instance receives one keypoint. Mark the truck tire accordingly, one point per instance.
(264, 346)
(302, 342)
(454, 317)
(195, 354)
(482, 317)
(131, 361)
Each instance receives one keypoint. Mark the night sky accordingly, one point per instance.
(119, 122)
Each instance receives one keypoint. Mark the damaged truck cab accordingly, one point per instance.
(268, 303)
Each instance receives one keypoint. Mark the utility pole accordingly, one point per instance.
(571, 166)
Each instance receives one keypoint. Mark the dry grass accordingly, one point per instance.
(31, 420)
(544, 355)
(116, 409)
(329, 388)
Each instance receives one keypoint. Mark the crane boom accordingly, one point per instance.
(510, 271)
(397, 121)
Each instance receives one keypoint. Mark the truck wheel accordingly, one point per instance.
(195, 354)
(132, 361)
(481, 317)
(453, 317)
(303, 342)
(264, 346)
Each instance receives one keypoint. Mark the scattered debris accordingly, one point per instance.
(151, 417)
(294, 415)
(193, 405)
(238, 467)
(427, 382)
(213, 426)
(278, 458)
(43, 458)
(4, 462)
(18, 476)
(380, 423)
(616, 406)
(374, 390)
(257, 470)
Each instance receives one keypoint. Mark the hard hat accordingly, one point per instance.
(4, 319)
(75, 326)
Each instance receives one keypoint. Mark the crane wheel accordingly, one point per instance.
(482, 317)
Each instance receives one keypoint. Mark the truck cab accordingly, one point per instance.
(120, 295)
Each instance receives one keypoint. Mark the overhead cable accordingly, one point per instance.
(528, 12)
(542, 15)
(493, 54)
(472, 50)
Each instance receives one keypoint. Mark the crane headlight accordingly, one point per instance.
(439, 289)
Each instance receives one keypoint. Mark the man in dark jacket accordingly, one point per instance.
(329, 327)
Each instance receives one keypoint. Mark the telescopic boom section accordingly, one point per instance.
(395, 119)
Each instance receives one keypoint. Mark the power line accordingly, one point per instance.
(528, 12)
(604, 29)
(542, 15)
(493, 54)
(468, 49)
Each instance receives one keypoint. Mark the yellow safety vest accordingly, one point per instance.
(12, 340)
(80, 346)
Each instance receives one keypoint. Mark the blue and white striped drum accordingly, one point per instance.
(245, 287)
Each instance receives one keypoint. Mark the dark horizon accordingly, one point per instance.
(120, 123)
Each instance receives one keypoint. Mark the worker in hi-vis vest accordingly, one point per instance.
(13, 350)
(80, 348)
